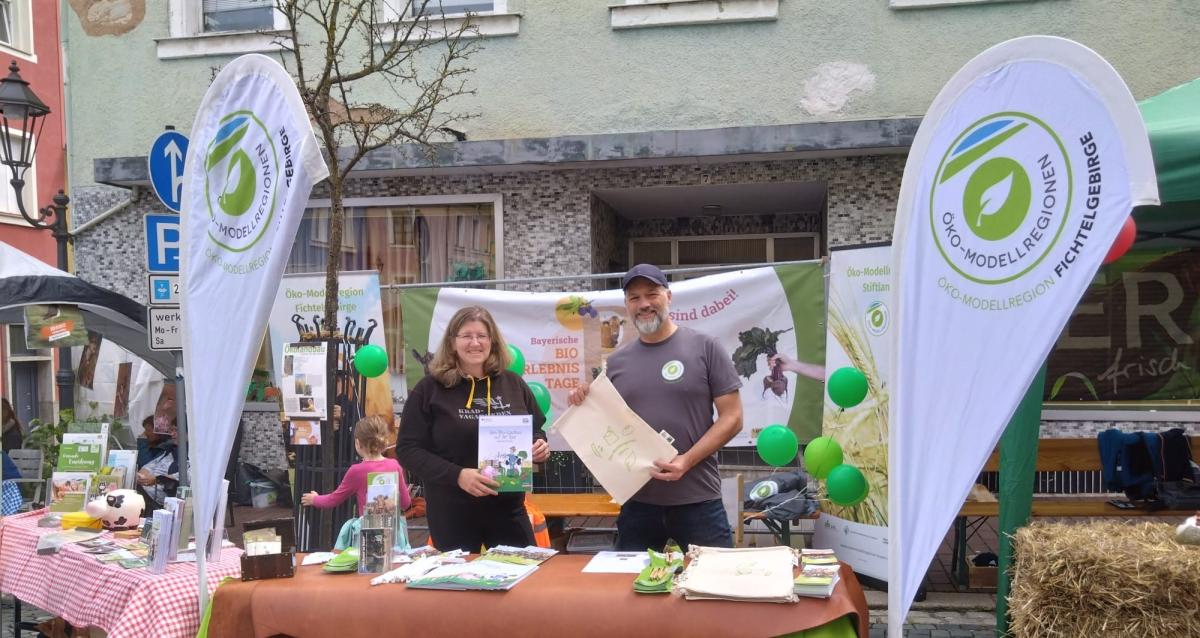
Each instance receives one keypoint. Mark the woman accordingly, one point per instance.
(439, 436)
(14, 432)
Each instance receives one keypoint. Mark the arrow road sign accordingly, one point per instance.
(166, 167)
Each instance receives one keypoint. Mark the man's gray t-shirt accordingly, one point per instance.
(671, 385)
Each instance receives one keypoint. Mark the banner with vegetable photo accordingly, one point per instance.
(860, 283)
(1134, 335)
(768, 319)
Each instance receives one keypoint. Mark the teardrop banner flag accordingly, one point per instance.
(250, 168)
(1023, 171)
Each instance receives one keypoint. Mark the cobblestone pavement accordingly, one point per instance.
(939, 624)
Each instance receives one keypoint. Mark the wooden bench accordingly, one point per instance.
(1054, 455)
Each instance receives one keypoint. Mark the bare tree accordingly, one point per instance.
(412, 62)
(405, 49)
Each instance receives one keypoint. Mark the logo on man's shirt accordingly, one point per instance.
(672, 370)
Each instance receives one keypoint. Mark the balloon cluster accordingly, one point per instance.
(541, 393)
(844, 483)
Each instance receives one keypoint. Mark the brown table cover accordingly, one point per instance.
(555, 601)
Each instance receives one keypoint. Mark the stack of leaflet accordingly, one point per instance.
(344, 563)
(819, 573)
(754, 574)
(416, 563)
(500, 569)
(659, 575)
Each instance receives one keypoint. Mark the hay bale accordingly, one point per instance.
(1104, 579)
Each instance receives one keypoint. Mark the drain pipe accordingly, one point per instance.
(134, 193)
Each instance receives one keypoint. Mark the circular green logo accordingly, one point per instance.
(996, 199)
(877, 318)
(240, 176)
(672, 370)
(1000, 197)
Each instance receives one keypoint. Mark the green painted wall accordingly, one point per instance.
(568, 72)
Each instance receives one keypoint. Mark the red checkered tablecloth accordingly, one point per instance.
(125, 603)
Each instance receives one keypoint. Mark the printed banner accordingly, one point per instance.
(302, 380)
(771, 314)
(857, 335)
(249, 170)
(1022, 173)
(296, 315)
(54, 327)
(1133, 337)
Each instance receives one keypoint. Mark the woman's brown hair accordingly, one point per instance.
(371, 432)
(444, 366)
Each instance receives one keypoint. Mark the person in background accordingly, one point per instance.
(673, 377)
(370, 438)
(158, 467)
(14, 433)
(439, 436)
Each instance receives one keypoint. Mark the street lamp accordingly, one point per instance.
(23, 115)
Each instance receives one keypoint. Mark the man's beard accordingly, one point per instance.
(648, 326)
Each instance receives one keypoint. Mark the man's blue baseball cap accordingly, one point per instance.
(646, 271)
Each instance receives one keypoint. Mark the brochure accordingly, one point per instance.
(69, 490)
(126, 459)
(81, 452)
(531, 555)
(506, 451)
(483, 575)
(303, 383)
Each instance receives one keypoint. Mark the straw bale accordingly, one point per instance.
(1104, 579)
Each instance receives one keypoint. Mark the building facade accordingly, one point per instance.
(679, 132)
(29, 37)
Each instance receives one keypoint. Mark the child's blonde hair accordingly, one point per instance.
(371, 433)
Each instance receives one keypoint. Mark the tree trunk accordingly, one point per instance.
(333, 266)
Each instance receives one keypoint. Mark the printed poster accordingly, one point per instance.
(302, 380)
(860, 317)
(54, 327)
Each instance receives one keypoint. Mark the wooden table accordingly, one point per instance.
(557, 600)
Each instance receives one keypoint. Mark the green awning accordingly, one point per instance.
(1173, 121)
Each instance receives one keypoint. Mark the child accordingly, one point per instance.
(370, 439)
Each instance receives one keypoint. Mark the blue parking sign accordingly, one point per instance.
(163, 242)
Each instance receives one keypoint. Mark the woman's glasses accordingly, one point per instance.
(481, 338)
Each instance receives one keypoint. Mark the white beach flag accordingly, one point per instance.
(1023, 171)
(250, 167)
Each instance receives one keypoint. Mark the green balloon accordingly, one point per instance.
(846, 485)
(847, 387)
(777, 445)
(821, 455)
(371, 360)
(518, 360)
(542, 395)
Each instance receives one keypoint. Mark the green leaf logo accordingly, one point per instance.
(996, 199)
(235, 200)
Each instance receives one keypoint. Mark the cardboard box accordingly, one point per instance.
(982, 577)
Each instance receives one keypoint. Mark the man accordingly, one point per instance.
(672, 377)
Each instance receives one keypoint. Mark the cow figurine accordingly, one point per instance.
(118, 509)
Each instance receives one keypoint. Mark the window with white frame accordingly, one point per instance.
(199, 28)
(8, 196)
(455, 7)
(488, 18)
(238, 15)
(16, 26)
(723, 250)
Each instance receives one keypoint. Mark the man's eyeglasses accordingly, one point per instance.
(473, 337)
